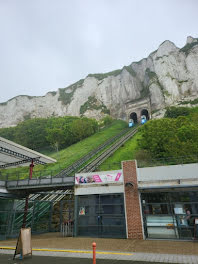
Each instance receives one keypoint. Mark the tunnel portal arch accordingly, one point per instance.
(134, 117)
(145, 113)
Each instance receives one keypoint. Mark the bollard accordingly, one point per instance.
(94, 252)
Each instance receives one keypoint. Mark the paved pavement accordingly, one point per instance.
(52, 248)
(85, 257)
(54, 240)
(7, 259)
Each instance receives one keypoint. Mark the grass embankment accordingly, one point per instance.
(69, 155)
(126, 152)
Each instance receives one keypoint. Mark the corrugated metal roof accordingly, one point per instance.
(14, 155)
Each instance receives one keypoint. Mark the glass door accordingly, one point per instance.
(159, 220)
(101, 216)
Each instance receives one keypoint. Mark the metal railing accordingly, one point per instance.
(94, 164)
(166, 161)
(67, 229)
(76, 165)
(44, 182)
(65, 177)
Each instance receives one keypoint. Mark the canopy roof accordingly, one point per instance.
(13, 155)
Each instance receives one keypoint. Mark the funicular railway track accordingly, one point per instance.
(94, 164)
(87, 163)
(69, 171)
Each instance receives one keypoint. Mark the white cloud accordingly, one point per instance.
(49, 44)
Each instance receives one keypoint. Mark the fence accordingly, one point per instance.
(166, 161)
(67, 229)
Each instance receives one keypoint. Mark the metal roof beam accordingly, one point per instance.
(36, 160)
(13, 153)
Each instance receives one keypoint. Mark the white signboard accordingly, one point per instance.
(24, 246)
(99, 177)
(178, 210)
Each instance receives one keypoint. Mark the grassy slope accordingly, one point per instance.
(71, 154)
(126, 152)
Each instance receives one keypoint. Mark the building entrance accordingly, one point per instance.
(170, 214)
(100, 215)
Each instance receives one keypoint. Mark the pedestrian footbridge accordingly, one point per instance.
(37, 184)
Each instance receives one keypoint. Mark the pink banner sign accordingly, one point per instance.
(99, 178)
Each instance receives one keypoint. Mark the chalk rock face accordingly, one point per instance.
(168, 76)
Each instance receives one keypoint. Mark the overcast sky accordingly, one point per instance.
(49, 44)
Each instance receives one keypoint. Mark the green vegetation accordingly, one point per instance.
(58, 132)
(66, 97)
(186, 49)
(101, 76)
(151, 74)
(171, 140)
(27, 116)
(126, 152)
(53, 93)
(4, 103)
(72, 153)
(91, 104)
(130, 70)
(175, 137)
(174, 112)
(144, 92)
(154, 79)
(155, 111)
(192, 102)
(166, 93)
(107, 120)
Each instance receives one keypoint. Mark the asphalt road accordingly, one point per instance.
(8, 259)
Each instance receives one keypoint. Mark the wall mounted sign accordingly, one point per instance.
(99, 177)
(178, 210)
(82, 211)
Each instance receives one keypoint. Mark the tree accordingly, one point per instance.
(83, 128)
(31, 133)
(174, 112)
(8, 133)
(55, 136)
(170, 138)
(107, 120)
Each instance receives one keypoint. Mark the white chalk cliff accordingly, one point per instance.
(169, 75)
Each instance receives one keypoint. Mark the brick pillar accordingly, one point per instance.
(133, 213)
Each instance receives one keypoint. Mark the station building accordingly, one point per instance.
(135, 203)
(138, 203)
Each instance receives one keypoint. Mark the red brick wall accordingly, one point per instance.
(133, 213)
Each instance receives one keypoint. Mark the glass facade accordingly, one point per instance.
(6, 206)
(100, 215)
(42, 216)
(170, 215)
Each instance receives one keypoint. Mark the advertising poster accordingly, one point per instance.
(99, 178)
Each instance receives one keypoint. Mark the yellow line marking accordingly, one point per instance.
(73, 251)
(7, 247)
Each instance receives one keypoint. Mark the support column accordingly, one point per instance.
(132, 201)
(76, 216)
(27, 197)
(31, 169)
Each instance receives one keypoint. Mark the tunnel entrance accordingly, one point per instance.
(145, 113)
(134, 117)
